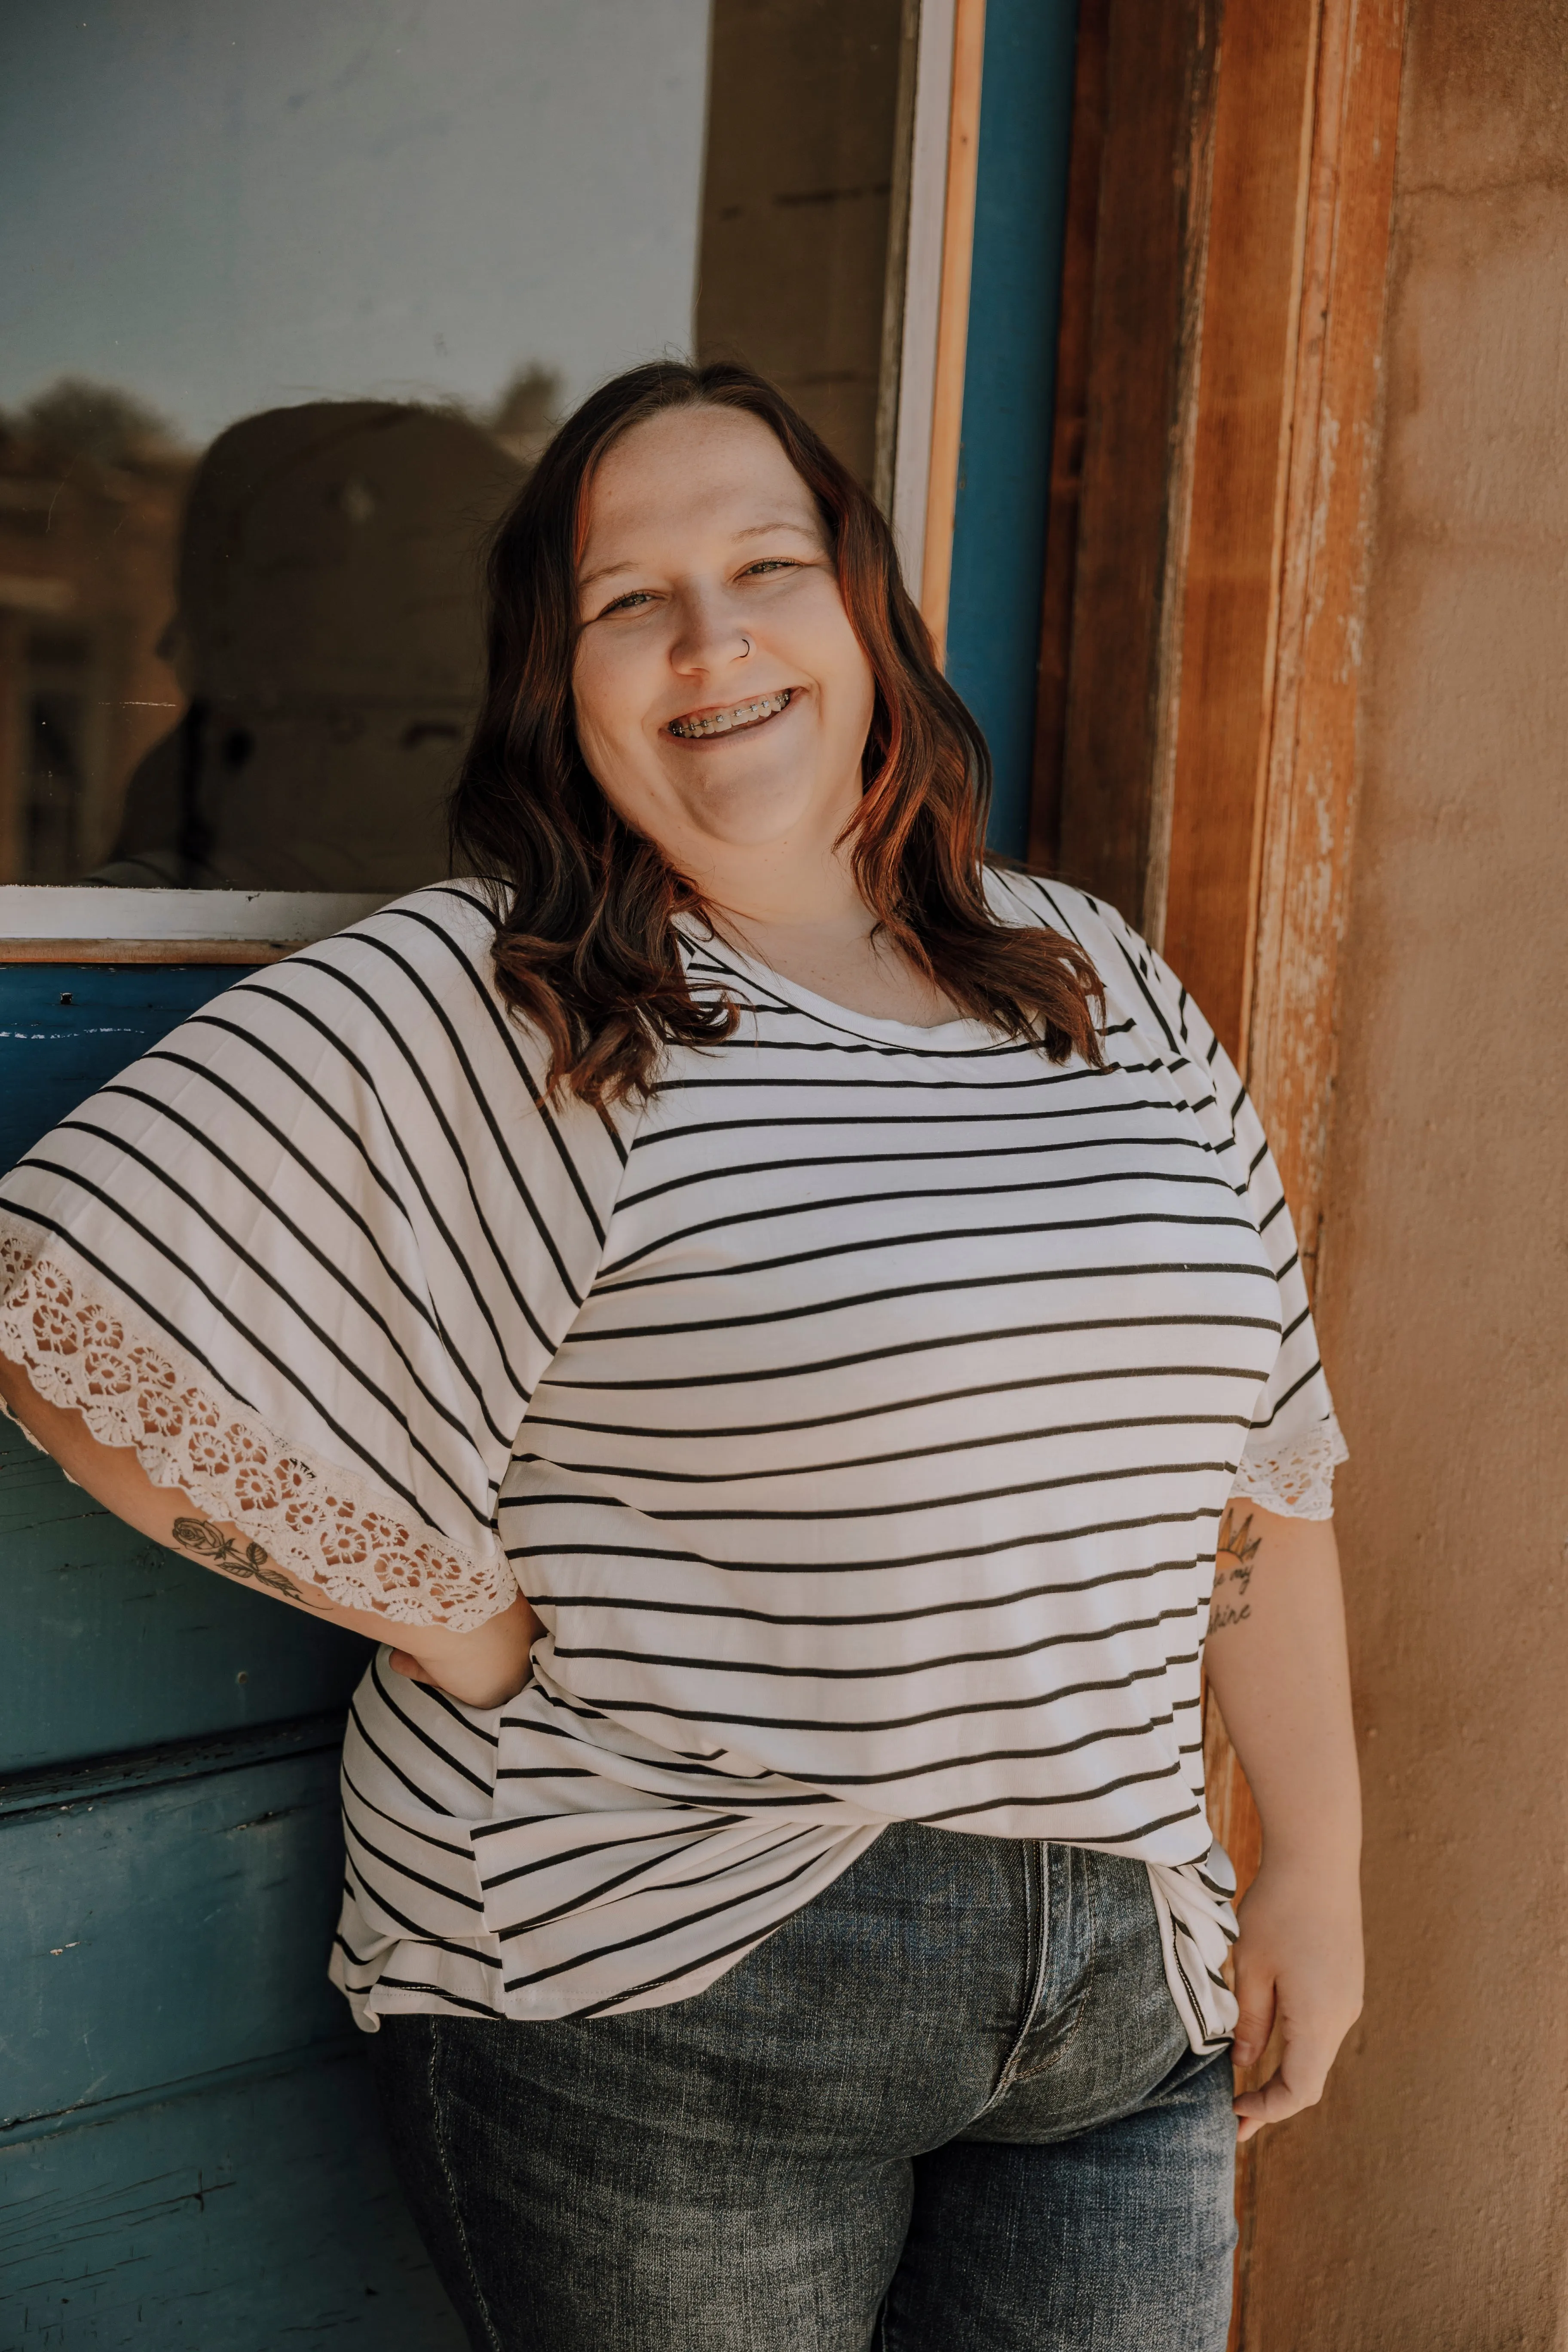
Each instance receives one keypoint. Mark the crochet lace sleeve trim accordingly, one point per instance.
(339, 1533)
(1293, 1476)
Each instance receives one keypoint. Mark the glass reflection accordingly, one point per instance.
(91, 485)
(264, 272)
(274, 283)
(326, 633)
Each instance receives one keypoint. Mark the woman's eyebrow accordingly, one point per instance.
(766, 529)
(752, 530)
(622, 563)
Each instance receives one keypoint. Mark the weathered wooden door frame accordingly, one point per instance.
(1213, 474)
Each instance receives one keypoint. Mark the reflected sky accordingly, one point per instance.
(226, 205)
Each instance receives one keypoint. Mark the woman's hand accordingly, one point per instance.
(484, 1668)
(1297, 1971)
(1276, 1662)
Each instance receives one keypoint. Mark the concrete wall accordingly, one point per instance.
(1424, 2205)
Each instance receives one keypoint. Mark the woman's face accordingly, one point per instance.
(722, 698)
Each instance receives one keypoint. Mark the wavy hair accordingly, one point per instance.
(585, 944)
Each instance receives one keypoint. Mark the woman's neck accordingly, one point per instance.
(837, 953)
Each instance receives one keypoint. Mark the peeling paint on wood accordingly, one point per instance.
(233, 2218)
(1283, 848)
(1253, 506)
(155, 1932)
(1311, 747)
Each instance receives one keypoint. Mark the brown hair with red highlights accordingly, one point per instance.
(585, 945)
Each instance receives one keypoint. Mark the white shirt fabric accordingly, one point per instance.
(858, 1416)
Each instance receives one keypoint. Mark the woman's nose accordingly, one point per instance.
(708, 635)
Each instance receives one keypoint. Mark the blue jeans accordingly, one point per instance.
(947, 2107)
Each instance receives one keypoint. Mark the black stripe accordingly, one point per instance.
(427, 1199)
(660, 1934)
(854, 1567)
(1075, 1637)
(689, 1431)
(505, 1030)
(791, 1166)
(737, 1513)
(1193, 1421)
(1183, 1322)
(863, 1245)
(421, 1733)
(1015, 1280)
(903, 1722)
(657, 1605)
(464, 1902)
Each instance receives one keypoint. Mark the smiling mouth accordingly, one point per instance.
(729, 722)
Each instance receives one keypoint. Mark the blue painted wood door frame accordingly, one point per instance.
(188, 2150)
(1005, 457)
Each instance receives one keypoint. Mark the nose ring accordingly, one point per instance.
(747, 643)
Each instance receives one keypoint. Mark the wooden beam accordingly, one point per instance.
(952, 323)
(1310, 777)
(1200, 895)
(1198, 721)
(1149, 240)
(1069, 427)
(1264, 789)
(127, 951)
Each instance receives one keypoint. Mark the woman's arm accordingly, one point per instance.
(481, 1668)
(1276, 1660)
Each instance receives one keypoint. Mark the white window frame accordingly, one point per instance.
(67, 922)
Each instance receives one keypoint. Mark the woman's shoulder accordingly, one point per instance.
(414, 981)
(403, 1002)
(437, 939)
(1140, 987)
(1093, 924)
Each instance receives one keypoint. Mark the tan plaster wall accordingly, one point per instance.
(1424, 2205)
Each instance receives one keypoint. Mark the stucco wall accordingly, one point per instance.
(1424, 2205)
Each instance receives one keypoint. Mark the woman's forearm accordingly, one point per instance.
(1277, 1662)
(481, 1668)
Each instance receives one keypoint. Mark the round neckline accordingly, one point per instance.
(834, 1015)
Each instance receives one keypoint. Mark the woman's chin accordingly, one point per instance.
(760, 809)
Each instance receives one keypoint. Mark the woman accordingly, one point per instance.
(780, 1318)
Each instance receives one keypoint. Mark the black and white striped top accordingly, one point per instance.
(858, 1418)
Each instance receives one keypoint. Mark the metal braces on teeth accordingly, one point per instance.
(722, 723)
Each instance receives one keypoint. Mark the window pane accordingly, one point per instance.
(292, 294)
(807, 137)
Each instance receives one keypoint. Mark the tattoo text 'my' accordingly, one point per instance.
(232, 1557)
(1237, 1555)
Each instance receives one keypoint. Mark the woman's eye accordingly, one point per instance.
(767, 563)
(628, 602)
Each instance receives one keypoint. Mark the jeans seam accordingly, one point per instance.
(1038, 1927)
(454, 2202)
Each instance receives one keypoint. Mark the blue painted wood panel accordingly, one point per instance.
(114, 1643)
(194, 2158)
(1009, 384)
(167, 1921)
(243, 2217)
(64, 1028)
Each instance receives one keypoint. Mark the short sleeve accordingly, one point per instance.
(311, 1255)
(1295, 1444)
